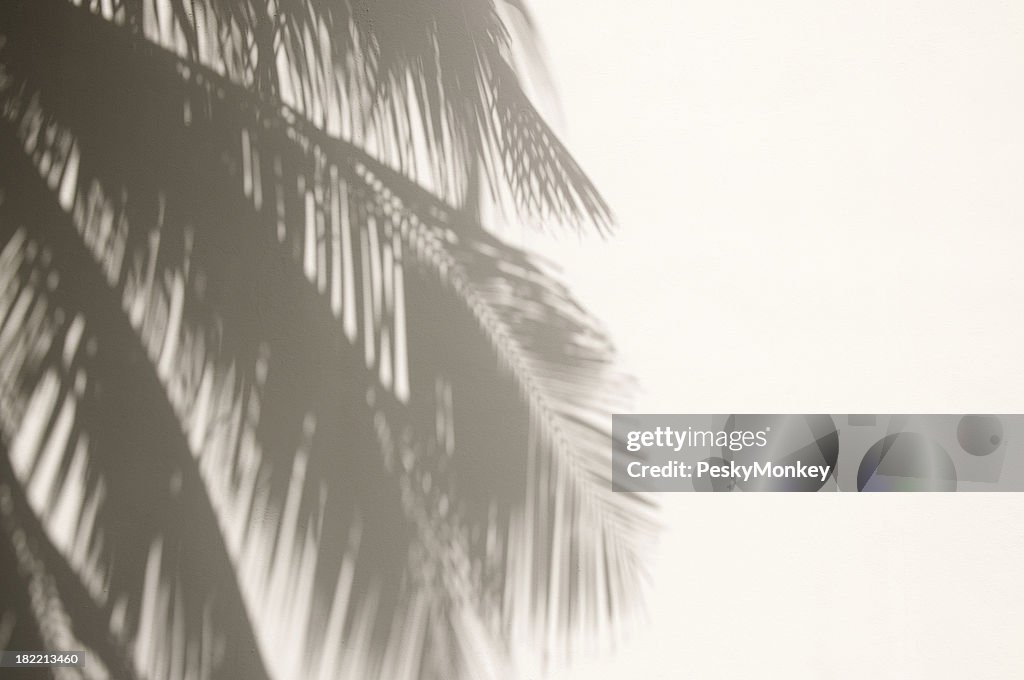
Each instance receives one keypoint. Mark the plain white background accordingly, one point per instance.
(820, 209)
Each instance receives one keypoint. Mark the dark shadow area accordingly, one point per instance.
(105, 426)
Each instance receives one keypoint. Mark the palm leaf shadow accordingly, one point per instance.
(96, 422)
(214, 232)
(425, 86)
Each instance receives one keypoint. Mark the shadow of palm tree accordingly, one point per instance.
(275, 404)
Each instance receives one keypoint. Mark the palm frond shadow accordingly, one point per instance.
(384, 415)
(22, 624)
(94, 422)
(425, 87)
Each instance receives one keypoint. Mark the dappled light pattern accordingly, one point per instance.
(274, 403)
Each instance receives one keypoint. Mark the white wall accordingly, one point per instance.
(822, 210)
